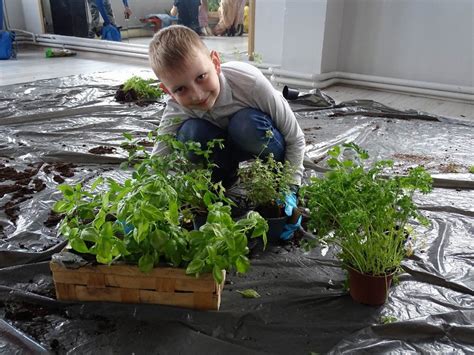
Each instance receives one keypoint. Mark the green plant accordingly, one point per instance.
(143, 88)
(267, 181)
(363, 212)
(249, 293)
(213, 5)
(388, 319)
(471, 169)
(257, 57)
(143, 220)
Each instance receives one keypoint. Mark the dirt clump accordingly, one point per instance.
(25, 183)
(102, 150)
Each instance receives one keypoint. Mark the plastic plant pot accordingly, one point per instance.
(275, 228)
(368, 289)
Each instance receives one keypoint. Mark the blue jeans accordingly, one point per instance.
(245, 138)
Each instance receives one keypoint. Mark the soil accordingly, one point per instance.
(53, 219)
(451, 168)
(309, 129)
(102, 150)
(130, 96)
(413, 158)
(25, 183)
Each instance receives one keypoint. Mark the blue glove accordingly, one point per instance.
(290, 203)
(127, 227)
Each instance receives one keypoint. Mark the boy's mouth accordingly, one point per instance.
(203, 102)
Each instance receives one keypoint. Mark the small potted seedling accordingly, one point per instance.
(139, 90)
(267, 182)
(365, 215)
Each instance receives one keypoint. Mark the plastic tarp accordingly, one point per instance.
(48, 132)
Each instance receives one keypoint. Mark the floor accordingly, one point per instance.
(32, 65)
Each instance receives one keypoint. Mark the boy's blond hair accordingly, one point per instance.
(172, 46)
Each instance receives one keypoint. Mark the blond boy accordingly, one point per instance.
(232, 101)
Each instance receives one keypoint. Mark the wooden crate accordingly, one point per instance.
(127, 284)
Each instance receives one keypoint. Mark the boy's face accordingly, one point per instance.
(195, 85)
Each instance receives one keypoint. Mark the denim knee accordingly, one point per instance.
(248, 130)
(199, 130)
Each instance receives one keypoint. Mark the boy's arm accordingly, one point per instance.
(170, 122)
(272, 102)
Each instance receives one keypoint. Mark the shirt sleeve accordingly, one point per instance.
(173, 117)
(269, 100)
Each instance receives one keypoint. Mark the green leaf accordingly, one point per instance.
(217, 274)
(97, 182)
(249, 293)
(67, 190)
(242, 264)
(89, 234)
(127, 136)
(78, 245)
(63, 206)
(195, 266)
(146, 263)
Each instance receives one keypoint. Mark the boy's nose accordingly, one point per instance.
(197, 95)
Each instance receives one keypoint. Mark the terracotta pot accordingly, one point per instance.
(368, 289)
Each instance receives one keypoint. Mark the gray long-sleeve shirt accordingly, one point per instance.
(242, 86)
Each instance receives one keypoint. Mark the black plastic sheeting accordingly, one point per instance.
(304, 306)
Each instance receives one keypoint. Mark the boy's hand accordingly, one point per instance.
(291, 202)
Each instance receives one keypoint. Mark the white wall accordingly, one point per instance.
(33, 14)
(304, 21)
(426, 40)
(269, 29)
(14, 14)
(332, 36)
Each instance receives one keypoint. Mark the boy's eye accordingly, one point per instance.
(202, 76)
(179, 90)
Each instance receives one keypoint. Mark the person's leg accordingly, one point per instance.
(253, 134)
(202, 131)
(110, 13)
(95, 18)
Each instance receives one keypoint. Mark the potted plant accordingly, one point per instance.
(365, 215)
(267, 182)
(141, 221)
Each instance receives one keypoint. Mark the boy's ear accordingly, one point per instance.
(165, 90)
(216, 60)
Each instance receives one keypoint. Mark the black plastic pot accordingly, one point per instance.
(275, 228)
(290, 94)
(199, 220)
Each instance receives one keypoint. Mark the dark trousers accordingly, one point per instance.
(246, 137)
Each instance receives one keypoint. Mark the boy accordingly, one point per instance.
(233, 101)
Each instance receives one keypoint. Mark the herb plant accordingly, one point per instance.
(267, 181)
(143, 88)
(364, 213)
(143, 219)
